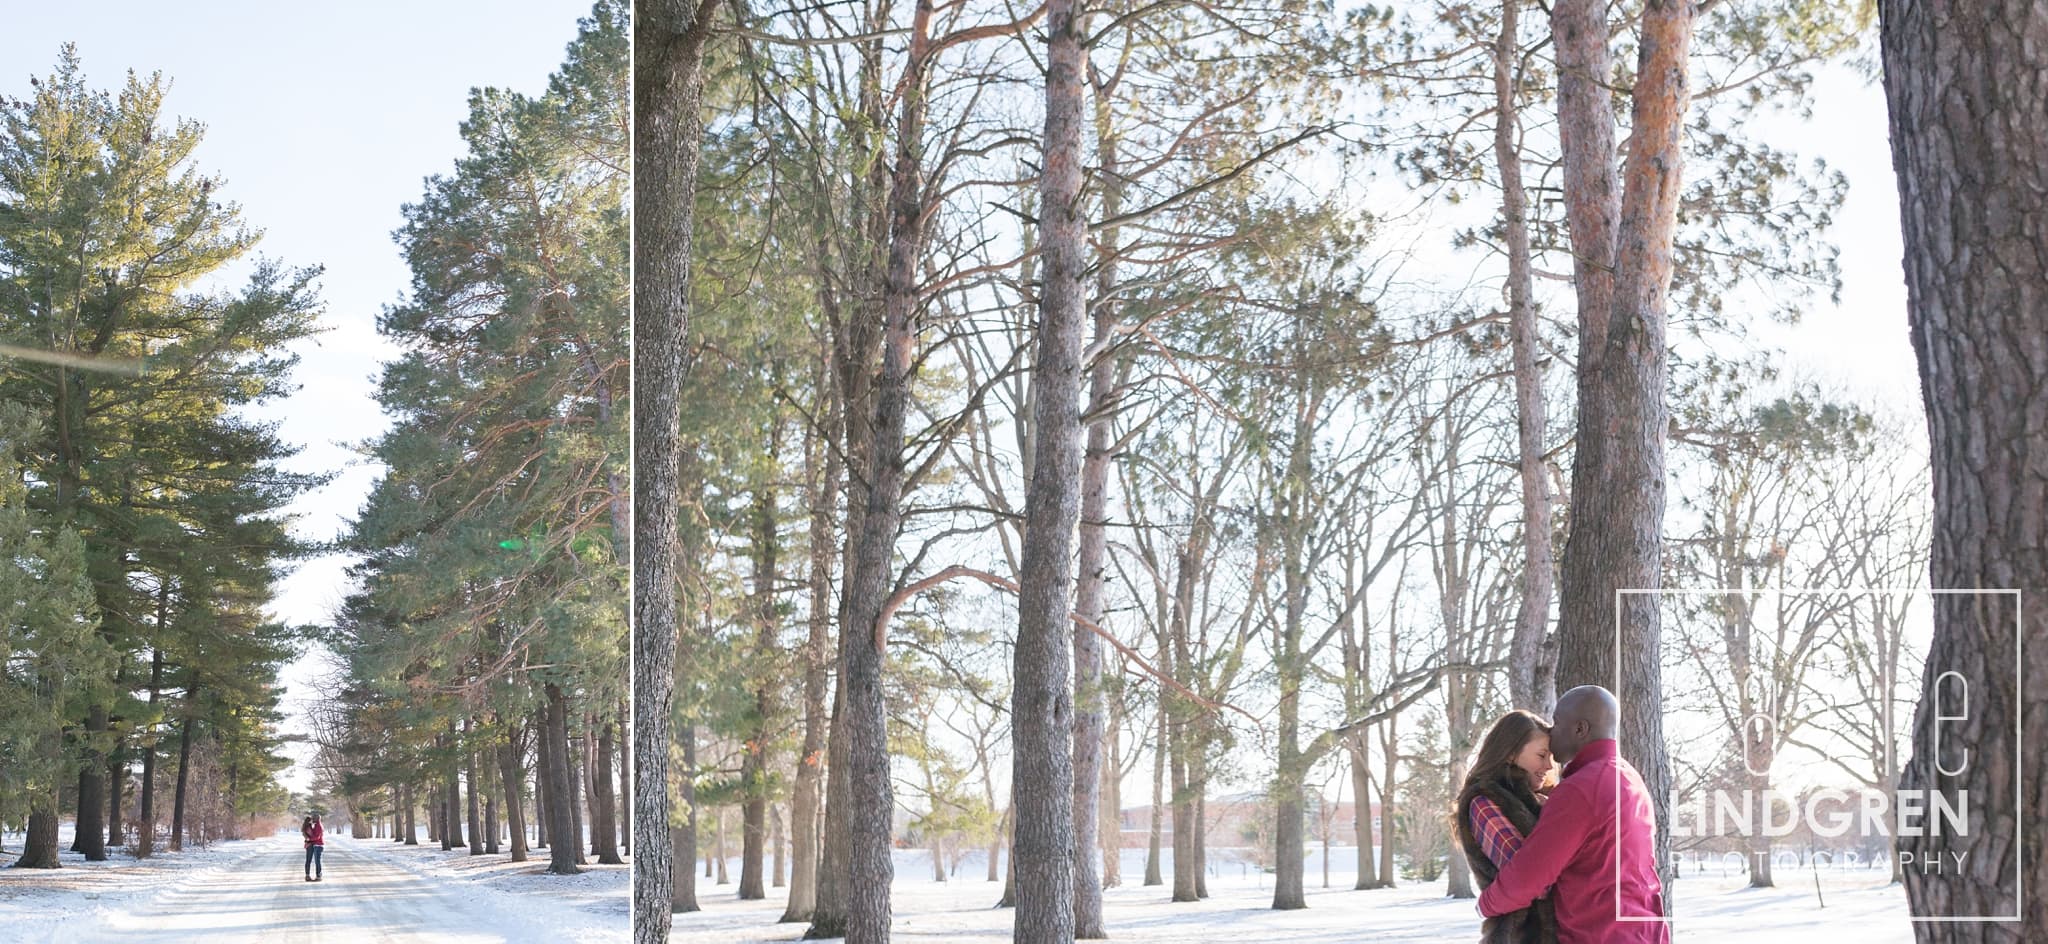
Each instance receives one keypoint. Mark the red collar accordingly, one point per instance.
(1603, 749)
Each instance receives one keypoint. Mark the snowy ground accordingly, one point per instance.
(1238, 911)
(253, 891)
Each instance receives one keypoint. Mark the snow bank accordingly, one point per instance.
(50, 904)
(1239, 910)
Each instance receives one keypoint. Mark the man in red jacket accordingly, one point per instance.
(316, 842)
(1598, 817)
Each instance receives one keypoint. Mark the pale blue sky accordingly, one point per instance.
(1861, 343)
(324, 119)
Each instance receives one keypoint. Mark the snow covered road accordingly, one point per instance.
(263, 897)
(253, 891)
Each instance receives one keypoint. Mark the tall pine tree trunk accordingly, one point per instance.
(718, 857)
(476, 839)
(450, 795)
(1391, 760)
(808, 800)
(1091, 837)
(184, 771)
(563, 850)
(754, 763)
(1153, 875)
(776, 840)
(683, 839)
(572, 761)
(868, 799)
(856, 345)
(1110, 815)
(1289, 665)
(540, 780)
(1622, 250)
(1186, 858)
(624, 811)
(39, 847)
(668, 57)
(473, 804)
(604, 836)
(90, 838)
(1969, 132)
(828, 912)
(591, 776)
(493, 831)
(512, 777)
(1043, 729)
(411, 804)
(230, 803)
(145, 845)
(117, 781)
(1530, 684)
(1592, 199)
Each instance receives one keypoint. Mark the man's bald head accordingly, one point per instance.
(1583, 715)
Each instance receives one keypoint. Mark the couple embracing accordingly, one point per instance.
(1567, 859)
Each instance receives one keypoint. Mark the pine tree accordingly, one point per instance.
(47, 636)
(493, 575)
(111, 243)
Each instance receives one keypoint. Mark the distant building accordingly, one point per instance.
(1231, 817)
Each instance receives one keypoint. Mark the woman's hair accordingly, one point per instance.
(1495, 759)
(1493, 765)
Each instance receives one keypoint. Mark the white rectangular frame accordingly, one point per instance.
(2018, 725)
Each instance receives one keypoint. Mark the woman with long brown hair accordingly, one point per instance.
(1496, 810)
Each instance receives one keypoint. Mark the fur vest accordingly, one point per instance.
(1536, 924)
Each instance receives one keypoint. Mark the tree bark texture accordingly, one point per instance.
(1622, 264)
(668, 57)
(1043, 727)
(1967, 85)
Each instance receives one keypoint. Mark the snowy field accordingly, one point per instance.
(1238, 911)
(252, 891)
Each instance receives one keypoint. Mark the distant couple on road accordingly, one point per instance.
(1563, 861)
(316, 843)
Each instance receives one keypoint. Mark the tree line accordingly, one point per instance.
(141, 508)
(482, 677)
